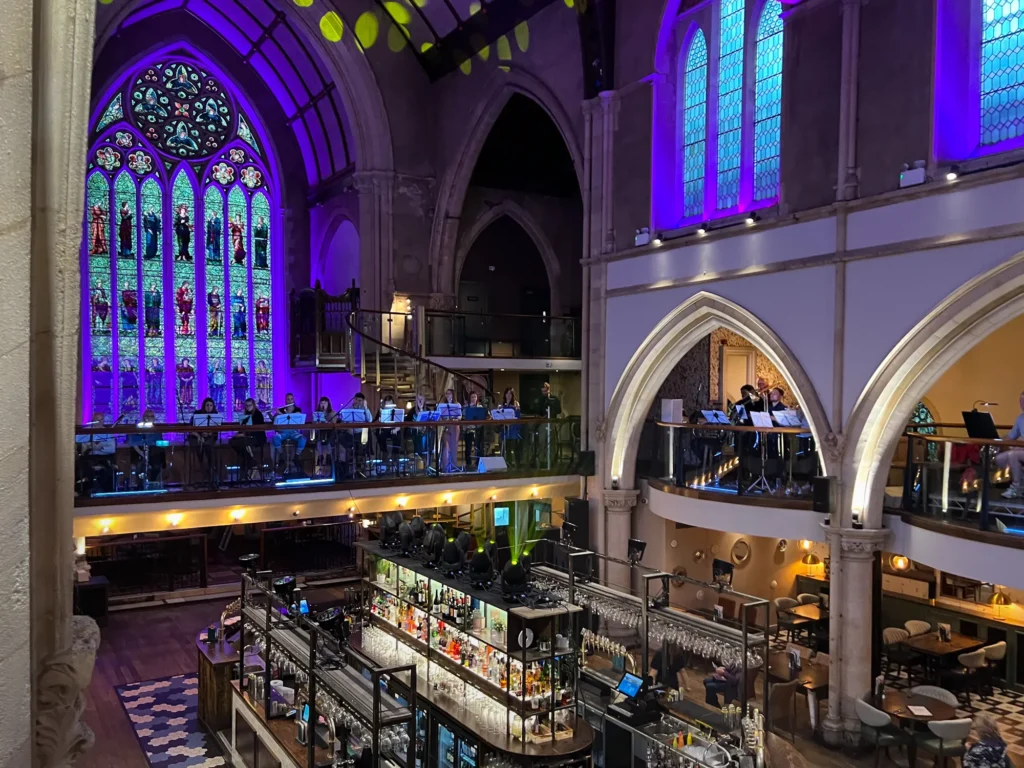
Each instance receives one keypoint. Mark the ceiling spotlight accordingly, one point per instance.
(636, 551)
(296, 513)
(237, 514)
(174, 519)
(366, 522)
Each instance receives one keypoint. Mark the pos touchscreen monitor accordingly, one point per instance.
(629, 685)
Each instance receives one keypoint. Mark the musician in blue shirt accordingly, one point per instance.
(288, 434)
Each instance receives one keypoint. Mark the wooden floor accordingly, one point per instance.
(151, 643)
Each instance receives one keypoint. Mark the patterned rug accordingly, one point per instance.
(165, 716)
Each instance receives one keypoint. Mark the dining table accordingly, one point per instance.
(897, 705)
(813, 678)
(811, 611)
(937, 651)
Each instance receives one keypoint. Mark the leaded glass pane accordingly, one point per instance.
(768, 102)
(263, 344)
(1002, 70)
(216, 344)
(695, 108)
(98, 280)
(238, 248)
(184, 294)
(730, 102)
(126, 205)
(153, 282)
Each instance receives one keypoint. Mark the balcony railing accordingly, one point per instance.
(467, 334)
(135, 463)
(774, 466)
(957, 480)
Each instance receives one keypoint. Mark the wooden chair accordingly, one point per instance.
(793, 625)
(782, 704)
(898, 654)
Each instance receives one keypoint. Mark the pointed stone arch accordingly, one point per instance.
(452, 192)
(664, 347)
(884, 407)
(531, 226)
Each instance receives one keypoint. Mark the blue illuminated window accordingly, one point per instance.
(695, 108)
(768, 102)
(730, 102)
(1002, 70)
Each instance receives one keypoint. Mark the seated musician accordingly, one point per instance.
(472, 436)
(388, 439)
(247, 444)
(1013, 458)
(203, 442)
(352, 439)
(148, 458)
(288, 434)
(98, 458)
(325, 439)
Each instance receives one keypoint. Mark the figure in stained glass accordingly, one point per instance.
(262, 307)
(129, 386)
(180, 138)
(186, 383)
(100, 311)
(152, 304)
(184, 301)
(155, 382)
(239, 385)
(238, 320)
(102, 381)
(151, 226)
(97, 230)
(214, 230)
(260, 235)
(218, 384)
(125, 231)
(129, 307)
(183, 234)
(215, 307)
(262, 385)
(238, 239)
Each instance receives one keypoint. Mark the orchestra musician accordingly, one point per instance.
(390, 439)
(203, 442)
(420, 435)
(449, 438)
(289, 406)
(147, 457)
(325, 439)
(471, 436)
(246, 443)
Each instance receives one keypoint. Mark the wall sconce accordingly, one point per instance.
(899, 563)
(783, 545)
(295, 513)
(534, 493)
(806, 544)
(699, 555)
(402, 501)
(237, 514)
(174, 519)
(105, 524)
(494, 497)
(447, 498)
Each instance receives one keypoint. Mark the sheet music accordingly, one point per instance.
(788, 418)
(290, 419)
(449, 411)
(392, 415)
(715, 417)
(761, 419)
(501, 414)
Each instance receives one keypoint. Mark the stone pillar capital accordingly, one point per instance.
(620, 502)
(861, 543)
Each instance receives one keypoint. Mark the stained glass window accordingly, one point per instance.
(922, 418)
(695, 107)
(768, 102)
(177, 250)
(1002, 70)
(730, 102)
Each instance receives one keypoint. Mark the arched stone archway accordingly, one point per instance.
(452, 192)
(908, 372)
(530, 225)
(666, 345)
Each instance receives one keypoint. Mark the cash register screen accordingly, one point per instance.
(629, 685)
(305, 713)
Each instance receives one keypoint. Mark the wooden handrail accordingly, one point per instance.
(736, 428)
(131, 429)
(970, 441)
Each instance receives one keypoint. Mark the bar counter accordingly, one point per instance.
(267, 743)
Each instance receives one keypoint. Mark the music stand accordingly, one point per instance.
(289, 419)
(319, 417)
(788, 418)
(761, 420)
(501, 414)
(475, 413)
(449, 411)
(207, 419)
(393, 415)
(715, 417)
(427, 416)
(979, 425)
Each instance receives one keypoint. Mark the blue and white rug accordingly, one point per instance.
(165, 717)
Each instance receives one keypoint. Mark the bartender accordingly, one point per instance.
(671, 667)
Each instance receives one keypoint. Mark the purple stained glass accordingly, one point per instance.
(160, 259)
(695, 108)
(768, 102)
(1002, 70)
(730, 102)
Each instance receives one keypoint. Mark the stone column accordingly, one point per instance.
(376, 270)
(618, 510)
(850, 628)
(848, 174)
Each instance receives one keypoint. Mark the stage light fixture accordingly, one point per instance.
(433, 547)
(481, 570)
(465, 541)
(419, 529)
(514, 584)
(284, 587)
(636, 550)
(491, 548)
(452, 558)
(405, 538)
(250, 562)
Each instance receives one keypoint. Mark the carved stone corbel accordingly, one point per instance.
(620, 502)
(61, 736)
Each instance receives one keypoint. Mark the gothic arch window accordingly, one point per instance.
(923, 422)
(728, 113)
(177, 255)
(693, 86)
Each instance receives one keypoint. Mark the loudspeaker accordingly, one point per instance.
(584, 464)
(824, 496)
(491, 464)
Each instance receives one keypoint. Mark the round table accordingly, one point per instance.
(897, 704)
